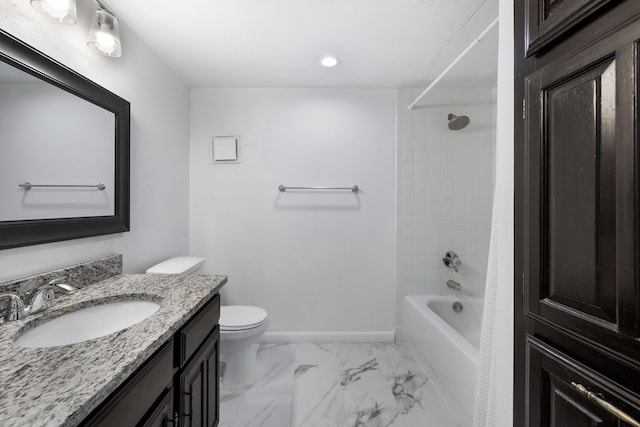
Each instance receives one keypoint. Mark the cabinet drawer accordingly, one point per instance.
(128, 405)
(554, 400)
(194, 332)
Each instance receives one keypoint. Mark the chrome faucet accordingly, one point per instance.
(36, 300)
(15, 309)
(453, 285)
(451, 260)
(43, 297)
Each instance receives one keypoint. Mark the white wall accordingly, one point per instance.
(159, 143)
(318, 262)
(445, 191)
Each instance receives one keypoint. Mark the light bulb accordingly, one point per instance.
(105, 42)
(63, 11)
(104, 36)
(329, 61)
(55, 8)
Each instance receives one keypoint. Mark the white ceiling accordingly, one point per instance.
(278, 43)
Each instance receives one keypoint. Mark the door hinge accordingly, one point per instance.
(524, 108)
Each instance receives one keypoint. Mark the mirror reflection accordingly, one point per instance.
(49, 136)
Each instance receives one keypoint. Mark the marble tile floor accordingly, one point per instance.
(336, 385)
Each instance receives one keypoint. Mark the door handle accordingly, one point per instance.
(605, 405)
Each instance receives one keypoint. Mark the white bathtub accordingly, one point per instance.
(447, 345)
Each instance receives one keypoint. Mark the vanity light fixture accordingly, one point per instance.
(329, 61)
(63, 11)
(104, 34)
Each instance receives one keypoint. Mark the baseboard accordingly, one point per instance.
(294, 337)
(400, 338)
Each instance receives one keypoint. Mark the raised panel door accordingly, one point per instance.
(577, 212)
(549, 19)
(580, 212)
(199, 387)
(162, 415)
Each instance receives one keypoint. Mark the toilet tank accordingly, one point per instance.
(178, 265)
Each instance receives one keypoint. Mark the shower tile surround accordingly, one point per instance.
(445, 187)
(62, 385)
(335, 385)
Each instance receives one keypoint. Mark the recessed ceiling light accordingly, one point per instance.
(329, 61)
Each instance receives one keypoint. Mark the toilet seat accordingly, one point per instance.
(241, 317)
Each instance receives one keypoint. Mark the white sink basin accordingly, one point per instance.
(87, 323)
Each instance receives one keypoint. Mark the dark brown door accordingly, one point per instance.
(547, 20)
(199, 387)
(576, 211)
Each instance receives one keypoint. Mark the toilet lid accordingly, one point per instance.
(239, 317)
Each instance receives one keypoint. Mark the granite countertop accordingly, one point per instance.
(60, 386)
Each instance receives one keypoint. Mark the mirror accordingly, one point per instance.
(64, 151)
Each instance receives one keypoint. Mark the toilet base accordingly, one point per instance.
(240, 368)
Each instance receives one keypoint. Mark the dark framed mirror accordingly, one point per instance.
(69, 138)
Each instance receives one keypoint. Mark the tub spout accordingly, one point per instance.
(453, 285)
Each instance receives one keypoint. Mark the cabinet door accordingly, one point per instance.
(580, 203)
(554, 400)
(199, 386)
(128, 405)
(548, 19)
(163, 415)
(577, 210)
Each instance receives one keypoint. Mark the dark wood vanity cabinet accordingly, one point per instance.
(197, 381)
(177, 386)
(577, 212)
(199, 384)
(162, 414)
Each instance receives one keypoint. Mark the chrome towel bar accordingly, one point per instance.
(284, 188)
(28, 186)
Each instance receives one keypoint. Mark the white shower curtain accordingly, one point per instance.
(494, 389)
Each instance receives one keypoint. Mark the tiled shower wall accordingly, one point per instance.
(445, 191)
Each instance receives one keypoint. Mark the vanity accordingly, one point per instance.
(178, 382)
(161, 371)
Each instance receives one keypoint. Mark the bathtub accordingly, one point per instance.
(447, 345)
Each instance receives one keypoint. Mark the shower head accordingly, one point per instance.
(457, 122)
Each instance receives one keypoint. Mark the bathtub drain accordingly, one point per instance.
(457, 306)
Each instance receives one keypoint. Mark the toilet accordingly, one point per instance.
(241, 326)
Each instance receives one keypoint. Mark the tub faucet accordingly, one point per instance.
(451, 260)
(453, 285)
